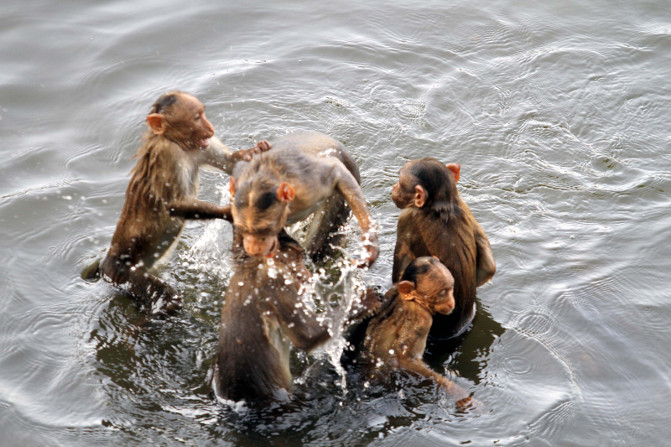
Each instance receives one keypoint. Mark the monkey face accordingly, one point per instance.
(187, 124)
(260, 244)
(259, 229)
(437, 286)
(260, 211)
(402, 193)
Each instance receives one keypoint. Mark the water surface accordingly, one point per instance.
(558, 114)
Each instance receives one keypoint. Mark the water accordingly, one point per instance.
(558, 113)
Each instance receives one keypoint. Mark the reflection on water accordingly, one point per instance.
(466, 355)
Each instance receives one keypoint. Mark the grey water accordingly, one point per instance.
(557, 111)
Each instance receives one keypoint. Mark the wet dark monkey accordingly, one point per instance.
(435, 221)
(162, 194)
(262, 316)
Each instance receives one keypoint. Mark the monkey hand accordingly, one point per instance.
(262, 146)
(371, 246)
(463, 400)
(247, 154)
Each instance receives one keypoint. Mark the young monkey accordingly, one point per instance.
(162, 194)
(395, 336)
(306, 173)
(435, 221)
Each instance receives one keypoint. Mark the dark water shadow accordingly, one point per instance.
(466, 354)
(320, 412)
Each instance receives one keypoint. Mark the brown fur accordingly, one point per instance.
(395, 336)
(305, 173)
(259, 318)
(443, 226)
(162, 194)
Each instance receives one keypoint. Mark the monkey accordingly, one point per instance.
(261, 315)
(303, 172)
(162, 194)
(435, 221)
(394, 335)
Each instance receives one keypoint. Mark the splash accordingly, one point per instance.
(334, 292)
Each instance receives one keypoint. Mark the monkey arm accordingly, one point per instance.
(300, 324)
(199, 209)
(351, 191)
(486, 265)
(219, 155)
(459, 394)
(405, 240)
(403, 256)
(222, 157)
(366, 306)
(247, 154)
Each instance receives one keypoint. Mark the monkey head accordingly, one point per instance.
(423, 182)
(430, 284)
(180, 117)
(260, 209)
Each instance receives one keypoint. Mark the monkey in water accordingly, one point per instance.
(162, 194)
(394, 337)
(435, 221)
(304, 173)
(262, 316)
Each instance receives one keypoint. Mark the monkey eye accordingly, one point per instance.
(266, 200)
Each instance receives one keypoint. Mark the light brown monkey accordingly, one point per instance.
(162, 193)
(261, 317)
(435, 221)
(303, 173)
(395, 336)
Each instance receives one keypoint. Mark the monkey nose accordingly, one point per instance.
(251, 246)
(258, 246)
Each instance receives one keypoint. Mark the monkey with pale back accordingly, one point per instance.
(162, 194)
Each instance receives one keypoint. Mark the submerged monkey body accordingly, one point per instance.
(407, 324)
(394, 337)
(261, 318)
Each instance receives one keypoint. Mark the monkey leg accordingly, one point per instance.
(322, 236)
(144, 285)
(141, 285)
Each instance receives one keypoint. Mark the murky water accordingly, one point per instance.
(558, 113)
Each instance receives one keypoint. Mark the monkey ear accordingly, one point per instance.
(231, 187)
(285, 192)
(456, 169)
(420, 196)
(405, 288)
(156, 123)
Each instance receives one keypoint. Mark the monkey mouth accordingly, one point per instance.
(271, 252)
(203, 143)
